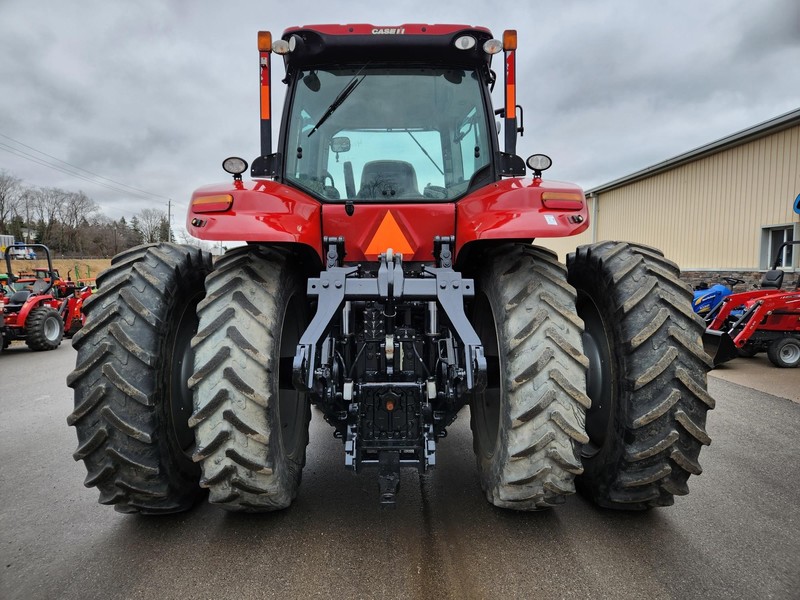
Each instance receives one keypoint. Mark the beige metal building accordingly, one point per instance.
(726, 206)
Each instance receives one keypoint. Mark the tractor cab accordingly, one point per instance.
(382, 129)
(411, 120)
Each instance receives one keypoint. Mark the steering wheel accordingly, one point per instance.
(732, 281)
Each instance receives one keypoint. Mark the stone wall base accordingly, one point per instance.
(752, 278)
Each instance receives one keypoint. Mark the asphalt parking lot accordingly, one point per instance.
(757, 373)
(734, 536)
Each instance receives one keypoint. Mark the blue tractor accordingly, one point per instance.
(706, 298)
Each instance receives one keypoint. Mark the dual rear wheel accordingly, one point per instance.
(614, 401)
(150, 441)
(596, 377)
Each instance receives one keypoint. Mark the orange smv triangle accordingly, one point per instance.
(388, 236)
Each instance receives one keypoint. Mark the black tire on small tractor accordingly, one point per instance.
(250, 423)
(44, 328)
(528, 425)
(647, 376)
(747, 351)
(784, 352)
(132, 402)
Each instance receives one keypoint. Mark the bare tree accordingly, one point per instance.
(150, 222)
(48, 205)
(183, 237)
(75, 214)
(10, 190)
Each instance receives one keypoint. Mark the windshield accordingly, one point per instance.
(386, 134)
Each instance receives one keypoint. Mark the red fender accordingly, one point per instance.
(260, 211)
(520, 209)
(266, 211)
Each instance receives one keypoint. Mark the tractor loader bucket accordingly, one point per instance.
(719, 346)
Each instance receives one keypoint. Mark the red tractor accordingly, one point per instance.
(767, 319)
(67, 297)
(31, 310)
(72, 298)
(390, 280)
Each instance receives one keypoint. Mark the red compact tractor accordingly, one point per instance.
(390, 280)
(767, 319)
(31, 310)
(70, 297)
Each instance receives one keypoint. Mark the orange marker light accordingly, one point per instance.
(510, 39)
(264, 41)
(205, 204)
(563, 200)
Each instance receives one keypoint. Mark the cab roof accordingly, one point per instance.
(317, 45)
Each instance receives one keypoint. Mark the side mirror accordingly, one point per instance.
(312, 79)
(340, 144)
(797, 204)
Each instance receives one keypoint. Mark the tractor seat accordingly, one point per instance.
(388, 179)
(772, 280)
(17, 300)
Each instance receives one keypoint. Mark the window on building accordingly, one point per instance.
(771, 240)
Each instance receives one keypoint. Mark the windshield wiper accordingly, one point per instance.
(346, 91)
(430, 158)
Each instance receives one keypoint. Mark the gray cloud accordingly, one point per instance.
(155, 94)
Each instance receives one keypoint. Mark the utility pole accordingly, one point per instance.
(169, 220)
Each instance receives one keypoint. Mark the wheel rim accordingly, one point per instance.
(600, 377)
(485, 406)
(52, 328)
(181, 368)
(790, 353)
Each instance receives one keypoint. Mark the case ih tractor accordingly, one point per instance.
(389, 280)
(32, 313)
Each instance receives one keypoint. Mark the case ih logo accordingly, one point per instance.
(389, 31)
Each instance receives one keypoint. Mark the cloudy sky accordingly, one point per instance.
(152, 95)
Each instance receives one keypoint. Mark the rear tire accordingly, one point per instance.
(528, 424)
(44, 328)
(131, 399)
(251, 424)
(647, 376)
(785, 352)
